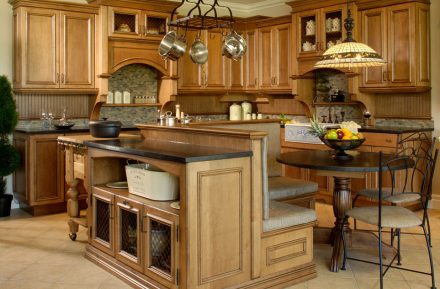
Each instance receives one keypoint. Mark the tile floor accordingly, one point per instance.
(36, 253)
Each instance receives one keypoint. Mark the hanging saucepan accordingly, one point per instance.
(234, 46)
(172, 46)
(198, 52)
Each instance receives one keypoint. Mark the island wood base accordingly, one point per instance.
(137, 280)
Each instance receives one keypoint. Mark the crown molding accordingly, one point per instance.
(253, 9)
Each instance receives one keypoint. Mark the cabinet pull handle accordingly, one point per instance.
(255, 81)
(384, 76)
(127, 204)
(62, 78)
(390, 74)
(387, 140)
(58, 78)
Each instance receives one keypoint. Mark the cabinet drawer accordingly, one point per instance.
(286, 250)
(380, 139)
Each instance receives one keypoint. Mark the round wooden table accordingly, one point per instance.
(342, 172)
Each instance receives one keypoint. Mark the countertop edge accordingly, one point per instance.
(168, 157)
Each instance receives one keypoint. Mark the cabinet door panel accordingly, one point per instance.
(20, 180)
(103, 221)
(423, 45)
(401, 48)
(215, 66)
(251, 58)
(45, 185)
(189, 72)
(282, 62)
(265, 57)
(374, 35)
(77, 50)
(41, 48)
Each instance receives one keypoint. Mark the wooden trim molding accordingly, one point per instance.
(369, 4)
(409, 89)
(65, 6)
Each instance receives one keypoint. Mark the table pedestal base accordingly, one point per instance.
(341, 204)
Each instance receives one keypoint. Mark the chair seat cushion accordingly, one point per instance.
(283, 187)
(392, 216)
(396, 198)
(282, 215)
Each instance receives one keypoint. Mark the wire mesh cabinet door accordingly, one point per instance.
(161, 241)
(128, 232)
(102, 236)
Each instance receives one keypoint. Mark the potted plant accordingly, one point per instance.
(9, 157)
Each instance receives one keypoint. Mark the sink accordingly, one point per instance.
(299, 132)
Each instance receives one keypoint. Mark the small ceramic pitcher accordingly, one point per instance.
(310, 27)
(307, 46)
(336, 24)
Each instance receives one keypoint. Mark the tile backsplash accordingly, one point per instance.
(138, 79)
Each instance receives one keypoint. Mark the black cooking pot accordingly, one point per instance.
(105, 128)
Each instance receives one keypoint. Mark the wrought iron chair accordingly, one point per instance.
(418, 147)
(395, 217)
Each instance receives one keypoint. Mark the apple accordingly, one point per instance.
(340, 134)
(332, 134)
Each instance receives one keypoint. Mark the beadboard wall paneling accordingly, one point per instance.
(408, 105)
(200, 104)
(30, 106)
(283, 105)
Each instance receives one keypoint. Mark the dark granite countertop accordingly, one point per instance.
(74, 129)
(169, 151)
(394, 129)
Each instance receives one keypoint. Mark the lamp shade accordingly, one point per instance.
(350, 54)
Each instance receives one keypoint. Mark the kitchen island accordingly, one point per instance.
(215, 239)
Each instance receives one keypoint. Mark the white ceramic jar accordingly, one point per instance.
(235, 112)
(246, 108)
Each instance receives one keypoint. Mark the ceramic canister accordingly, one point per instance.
(246, 108)
(235, 112)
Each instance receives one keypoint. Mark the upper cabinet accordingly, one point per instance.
(274, 57)
(134, 23)
(210, 76)
(319, 29)
(251, 60)
(53, 48)
(400, 34)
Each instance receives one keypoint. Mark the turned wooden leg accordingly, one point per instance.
(341, 204)
(72, 202)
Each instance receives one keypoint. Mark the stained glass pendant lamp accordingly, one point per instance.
(350, 53)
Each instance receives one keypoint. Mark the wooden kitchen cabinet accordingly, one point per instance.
(274, 58)
(161, 238)
(39, 184)
(400, 34)
(54, 49)
(128, 232)
(251, 60)
(136, 23)
(102, 229)
(323, 35)
(210, 76)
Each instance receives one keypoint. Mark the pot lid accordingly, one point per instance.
(104, 123)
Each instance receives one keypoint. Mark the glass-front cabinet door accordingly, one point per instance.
(103, 221)
(162, 239)
(308, 33)
(128, 241)
(332, 27)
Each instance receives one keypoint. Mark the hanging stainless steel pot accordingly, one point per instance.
(172, 46)
(198, 52)
(234, 46)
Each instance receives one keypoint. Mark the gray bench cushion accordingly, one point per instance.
(282, 215)
(283, 187)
